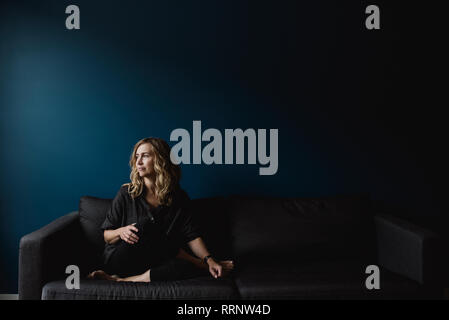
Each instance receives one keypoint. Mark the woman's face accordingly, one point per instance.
(144, 160)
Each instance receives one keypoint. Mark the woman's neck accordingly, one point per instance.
(149, 186)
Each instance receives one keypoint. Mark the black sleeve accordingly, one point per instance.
(115, 213)
(188, 228)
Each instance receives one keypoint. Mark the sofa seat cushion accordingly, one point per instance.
(197, 288)
(318, 280)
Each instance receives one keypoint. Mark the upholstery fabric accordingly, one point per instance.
(92, 213)
(198, 288)
(321, 280)
(410, 250)
(302, 228)
(45, 253)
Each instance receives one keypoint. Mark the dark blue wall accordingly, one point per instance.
(73, 103)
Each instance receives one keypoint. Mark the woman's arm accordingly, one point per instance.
(111, 236)
(125, 233)
(199, 249)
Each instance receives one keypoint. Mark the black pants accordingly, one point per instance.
(153, 251)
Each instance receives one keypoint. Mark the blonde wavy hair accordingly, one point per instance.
(167, 173)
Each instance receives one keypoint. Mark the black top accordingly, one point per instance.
(175, 220)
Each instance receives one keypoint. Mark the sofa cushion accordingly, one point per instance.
(198, 288)
(318, 280)
(301, 228)
(92, 212)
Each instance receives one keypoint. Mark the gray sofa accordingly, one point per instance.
(283, 248)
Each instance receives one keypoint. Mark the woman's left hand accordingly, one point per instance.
(215, 268)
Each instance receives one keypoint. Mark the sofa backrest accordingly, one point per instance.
(92, 212)
(301, 228)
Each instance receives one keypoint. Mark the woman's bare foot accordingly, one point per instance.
(101, 275)
(144, 277)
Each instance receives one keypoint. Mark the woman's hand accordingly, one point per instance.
(126, 234)
(219, 269)
(215, 268)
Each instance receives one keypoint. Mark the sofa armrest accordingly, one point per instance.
(409, 250)
(45, 253)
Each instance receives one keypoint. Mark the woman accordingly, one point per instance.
(149, 223)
